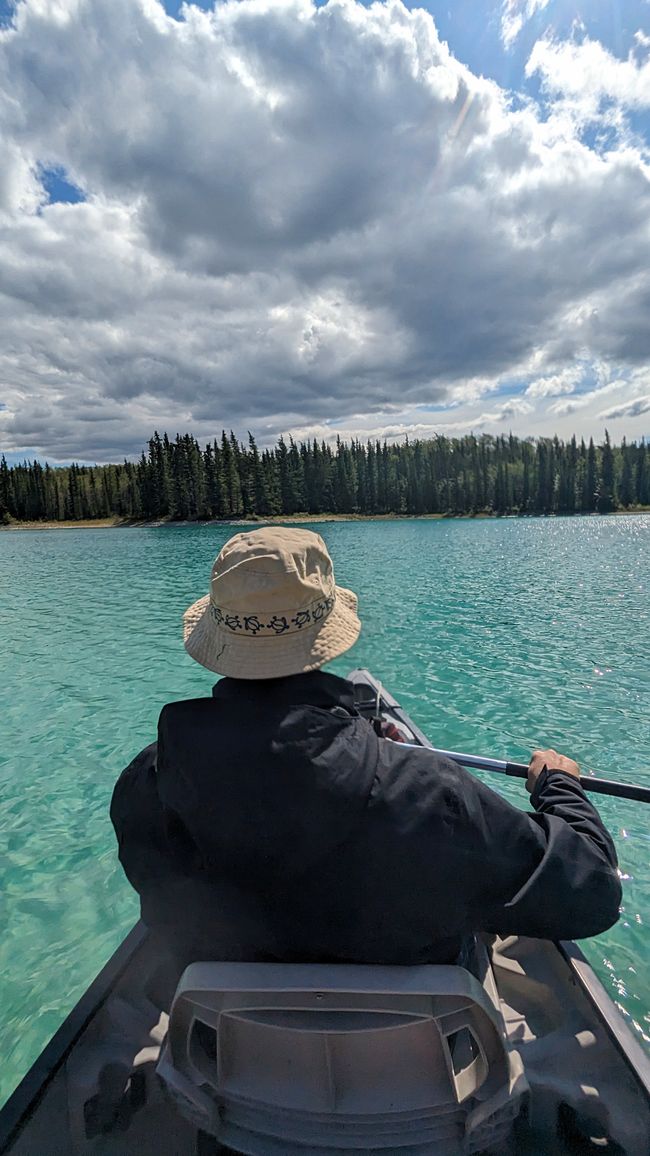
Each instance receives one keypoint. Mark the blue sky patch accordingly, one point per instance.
(6, 12)
(59, 189)
(29, 454)
(173, 7)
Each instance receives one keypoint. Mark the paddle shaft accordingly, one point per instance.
(380, 697)
(520, 770)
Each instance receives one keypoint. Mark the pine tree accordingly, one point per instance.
(544, 499)
(6, 492)
(272, 481)
(643, 475)
(218, 500)
(627, 487)
(159, 477)
(297, 475)
(606, 494)
(590, 492)
(232, 482)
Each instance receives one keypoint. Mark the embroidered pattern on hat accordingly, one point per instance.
(251, 624)
(302, 618)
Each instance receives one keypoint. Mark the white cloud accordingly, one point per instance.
(584, 400)
(588, 83)
(589, 68)
(632, 408)
(396, 427)
(515, 14)
(556, 383)
(294, 214)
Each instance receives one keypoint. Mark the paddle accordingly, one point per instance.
(520, 771)
(477, 762)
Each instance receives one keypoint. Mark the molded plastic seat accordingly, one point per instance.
(326, 1059)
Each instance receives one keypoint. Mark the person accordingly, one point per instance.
(271, 822)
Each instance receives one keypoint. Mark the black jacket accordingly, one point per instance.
(271, 827)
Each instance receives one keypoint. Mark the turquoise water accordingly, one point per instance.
(497, 636)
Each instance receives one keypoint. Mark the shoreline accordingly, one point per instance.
(116, 523)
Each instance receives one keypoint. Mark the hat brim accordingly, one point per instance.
(219, 650)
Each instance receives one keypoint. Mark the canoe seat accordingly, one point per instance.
(283, 1059)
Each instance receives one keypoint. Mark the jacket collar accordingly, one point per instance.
(316, 688)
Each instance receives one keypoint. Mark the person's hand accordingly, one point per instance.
(390, 731)
(539, 760)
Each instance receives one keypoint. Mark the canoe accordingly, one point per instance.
(94, 1089)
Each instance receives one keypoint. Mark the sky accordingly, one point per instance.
(320, 219)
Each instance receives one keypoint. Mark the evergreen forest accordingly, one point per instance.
(177, 479)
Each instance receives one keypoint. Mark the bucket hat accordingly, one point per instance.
(273, 609)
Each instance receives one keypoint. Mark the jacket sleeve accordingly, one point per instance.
(153, 847)
(138, 822)
(562, 880)
(194, 915)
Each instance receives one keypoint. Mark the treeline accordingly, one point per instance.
(469, 475)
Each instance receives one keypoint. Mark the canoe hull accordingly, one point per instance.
(580, 1058)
